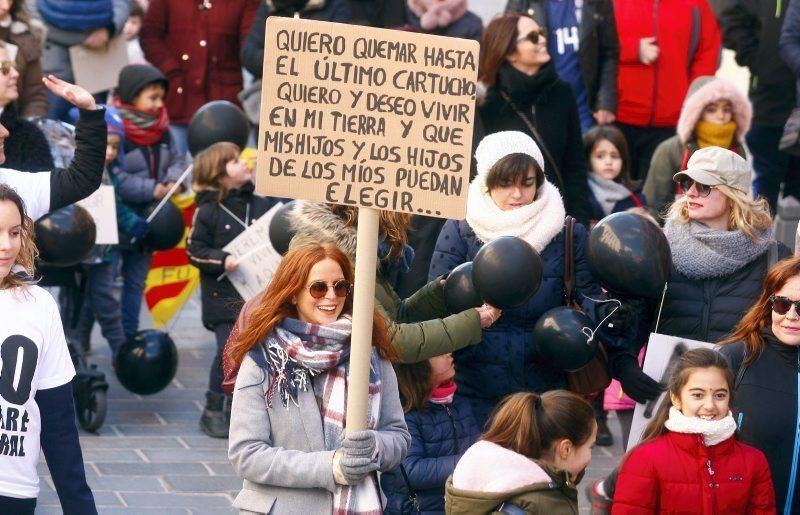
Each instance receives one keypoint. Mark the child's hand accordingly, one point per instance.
(231, 263)
(160, 191)
(76, 95)
(169, 186)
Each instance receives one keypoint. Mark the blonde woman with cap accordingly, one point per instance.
(510, 196)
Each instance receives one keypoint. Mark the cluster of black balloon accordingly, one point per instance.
(65, 237)
(146, 363)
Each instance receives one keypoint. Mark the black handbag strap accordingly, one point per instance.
(412, 494)
(569, 260)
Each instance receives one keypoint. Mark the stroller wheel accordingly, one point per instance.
(92, 412)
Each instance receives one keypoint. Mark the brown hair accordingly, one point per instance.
(209, 167)
(414, 383)
(289, 280)
(393, 226)
(530, 424)
(685, 366)
(759, 316)
(496, 44)
(137, 11)
(513, 169)
(28, 251)
(614, 136)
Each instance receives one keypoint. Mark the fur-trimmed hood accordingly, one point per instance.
(315, 222)
(702, 92)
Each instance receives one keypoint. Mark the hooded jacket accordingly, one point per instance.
(530, 485)
(671, 155)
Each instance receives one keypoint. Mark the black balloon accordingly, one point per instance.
(459, 291)
(217, 121)
(146, 363)
(280, 228)
(506, 272)
(65, 237)
(166, 229)
(629, 254)
(558, 338)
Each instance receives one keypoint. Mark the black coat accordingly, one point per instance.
(549, 105)
(212, 229)
(598, 48)
(766, 400)
(26, 147)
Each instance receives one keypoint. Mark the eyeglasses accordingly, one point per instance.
(319, 289)
(782, 305)
(703, 190)
(6, 67)
(532, 36)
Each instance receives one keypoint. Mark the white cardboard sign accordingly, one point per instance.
(102, 205)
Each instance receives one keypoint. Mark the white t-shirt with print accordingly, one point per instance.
(33, 356)
(34, 188)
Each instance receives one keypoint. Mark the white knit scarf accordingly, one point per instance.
(537, 223)
(607, 192)
(713, 431)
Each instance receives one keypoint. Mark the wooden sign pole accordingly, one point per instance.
(363, 309)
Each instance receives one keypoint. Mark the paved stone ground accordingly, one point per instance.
(150, 456)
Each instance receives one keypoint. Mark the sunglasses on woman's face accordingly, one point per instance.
(6, 67)
(782, 305)
(319, 289)
(532, 36)
(702, 190)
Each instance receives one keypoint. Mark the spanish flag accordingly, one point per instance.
(171, 279)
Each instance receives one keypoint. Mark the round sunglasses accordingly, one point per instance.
(532, 36)
(319, 289)
(703, 190)
(782, 305)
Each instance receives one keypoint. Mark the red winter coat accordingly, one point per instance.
(673, 474)
(197, 49)
(689, 42)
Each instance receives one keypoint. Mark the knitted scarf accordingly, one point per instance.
(299, 352)
(699, 252)
(444, 393)
(713, 431)
(141, 127)
(607, 192)
(537, 223)
(714, 135)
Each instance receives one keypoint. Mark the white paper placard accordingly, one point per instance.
(258, 260)
(102, 205)
(662, 351)
(98, 70)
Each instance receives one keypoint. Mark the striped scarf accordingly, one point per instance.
(141, 127)
(298, 353)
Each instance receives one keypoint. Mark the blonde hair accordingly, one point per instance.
(209, 167)
(746, 215)
(28, 251)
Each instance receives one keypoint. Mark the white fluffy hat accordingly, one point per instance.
(496, 146)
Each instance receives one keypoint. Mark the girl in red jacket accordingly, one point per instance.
(689, 461)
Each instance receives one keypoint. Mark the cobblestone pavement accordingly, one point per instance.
(150, 456)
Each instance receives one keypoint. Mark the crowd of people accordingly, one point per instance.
(586, 109)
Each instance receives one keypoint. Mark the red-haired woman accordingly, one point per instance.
(287, 422)
(765, 353)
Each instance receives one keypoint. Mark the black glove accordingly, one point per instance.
(638, 385)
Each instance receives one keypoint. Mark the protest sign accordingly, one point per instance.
(367, 117)
(98, 70)
(257, 259)
(102, 206)
(662, 353)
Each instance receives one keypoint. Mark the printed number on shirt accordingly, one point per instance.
(19, 356)
(567, 36)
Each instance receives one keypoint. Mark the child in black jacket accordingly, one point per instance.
(226, 206)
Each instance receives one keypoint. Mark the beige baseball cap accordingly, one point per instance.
(713, 166)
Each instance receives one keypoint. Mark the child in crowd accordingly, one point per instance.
(36, 405)
(131, 31)
(100, 304)
(689, 460)
(152, 166)
(226, 206)
(442, 428)
(611, 189)
(714, 113)
(535, 450)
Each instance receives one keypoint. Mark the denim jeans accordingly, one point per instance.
(772, 166)
(100, 304)
(134, 267)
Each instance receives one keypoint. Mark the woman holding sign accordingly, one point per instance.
(287, 438)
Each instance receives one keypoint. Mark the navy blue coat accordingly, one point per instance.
(439, 437)
(622, 205)
(503, 362)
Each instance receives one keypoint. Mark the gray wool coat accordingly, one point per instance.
(280, 452)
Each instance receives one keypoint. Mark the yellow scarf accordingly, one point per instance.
(712, 135)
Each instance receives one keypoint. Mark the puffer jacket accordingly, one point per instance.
(489, 475)
(136, 178)
(677, 473)
(767, 403)
(440, 435)
(504, 362)
(212, 229)
(671, 155)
